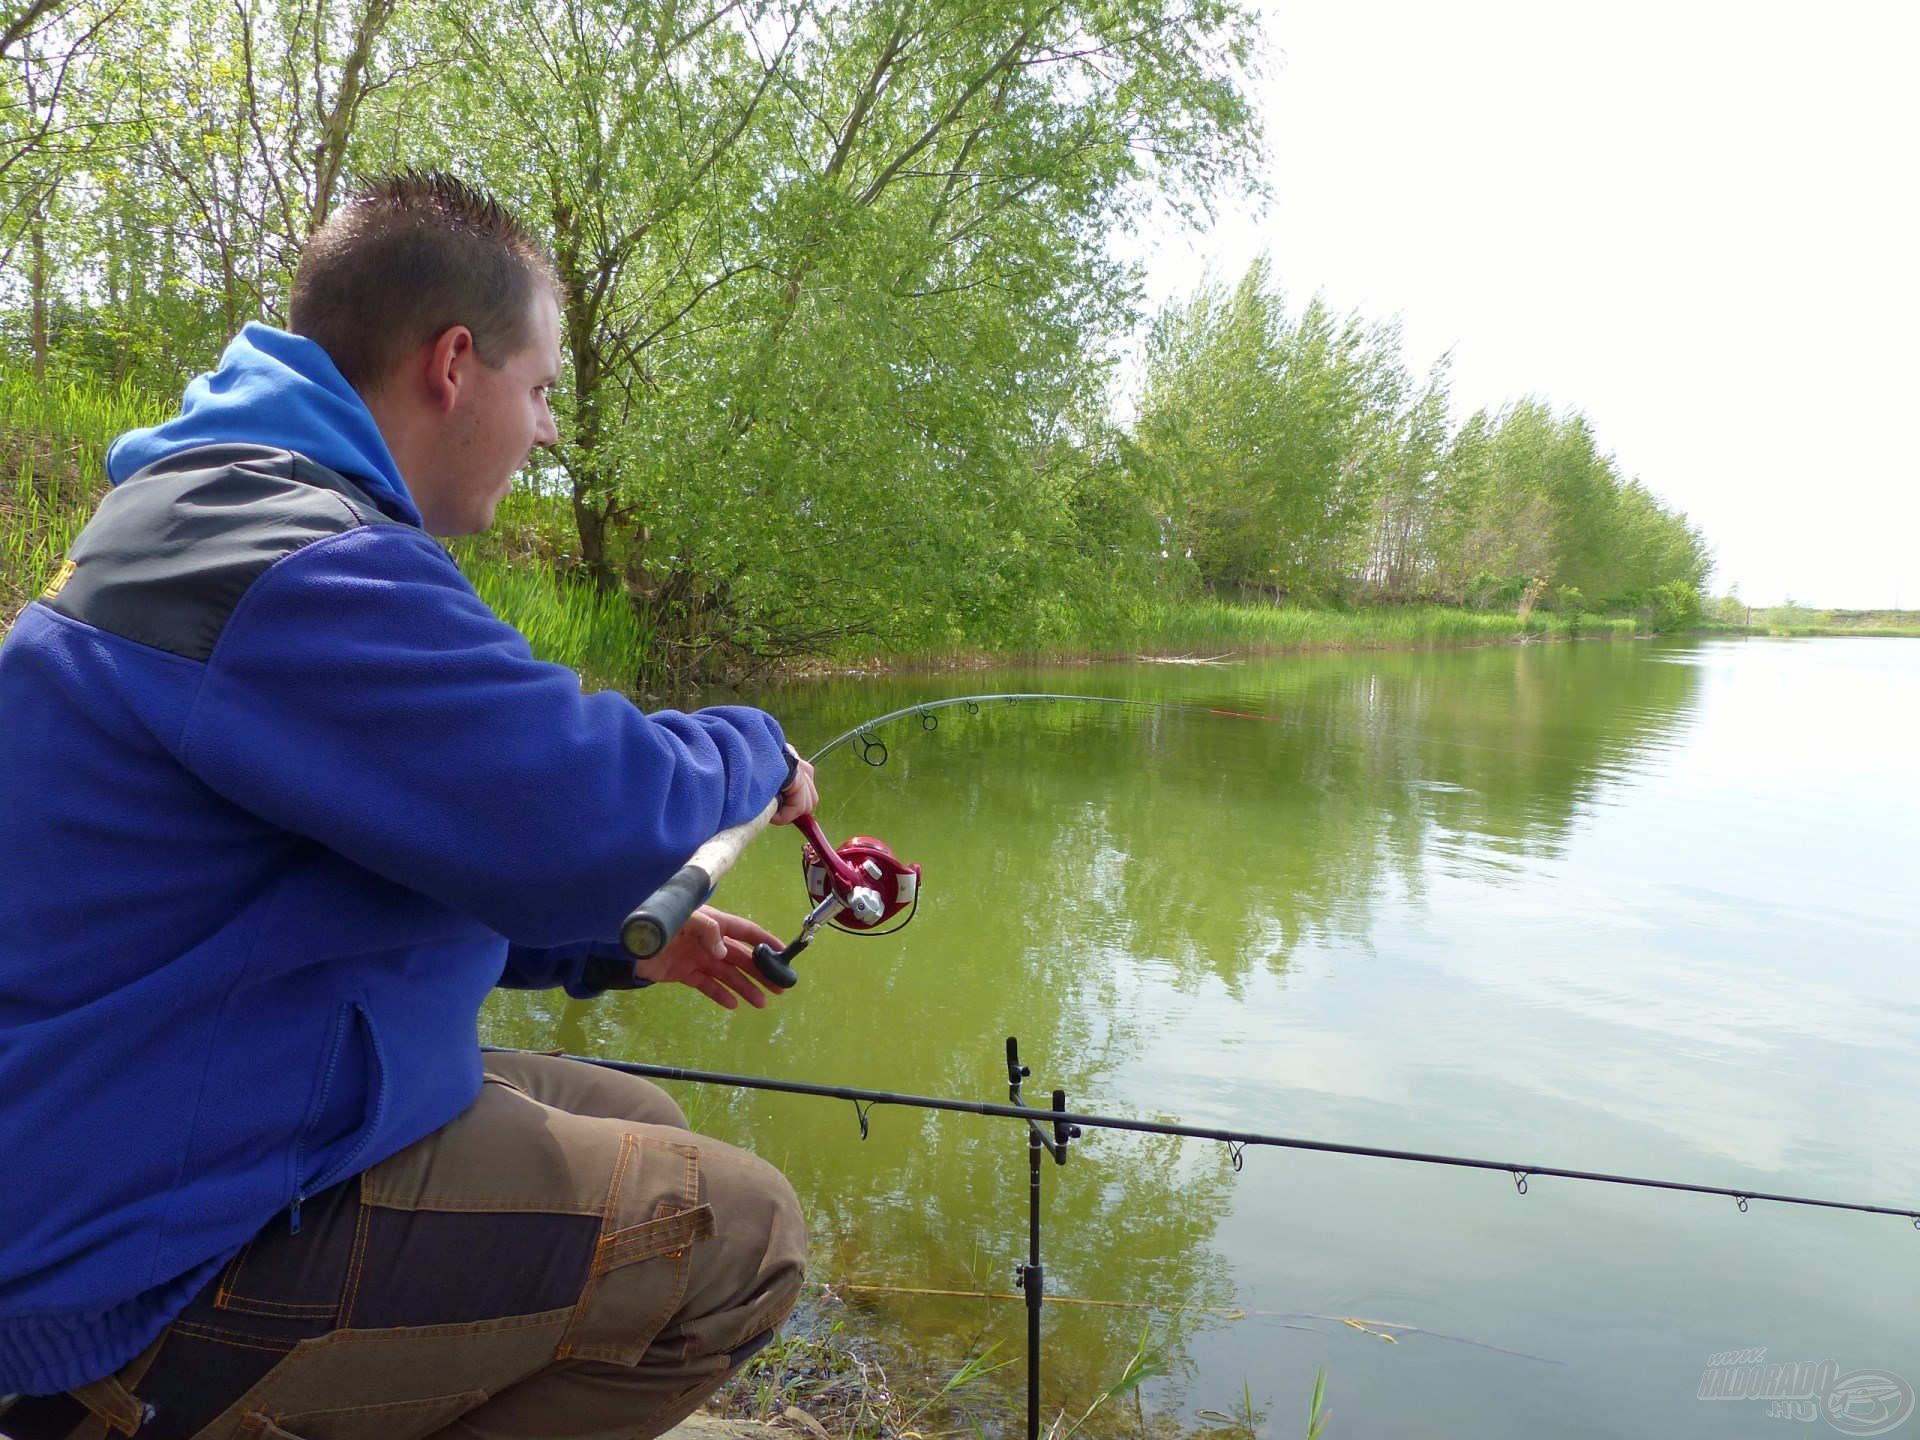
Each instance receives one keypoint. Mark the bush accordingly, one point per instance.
(1676, 606)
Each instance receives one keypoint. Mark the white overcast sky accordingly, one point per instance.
(1694, 221)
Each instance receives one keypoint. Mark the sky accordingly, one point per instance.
(1695, 222)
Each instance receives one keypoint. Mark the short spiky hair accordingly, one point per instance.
(407, 256)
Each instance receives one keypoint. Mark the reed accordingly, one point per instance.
(573, 624)
(54, 435)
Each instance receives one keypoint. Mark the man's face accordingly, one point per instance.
(500, 417)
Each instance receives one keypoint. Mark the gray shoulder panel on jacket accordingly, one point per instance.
(171, 550)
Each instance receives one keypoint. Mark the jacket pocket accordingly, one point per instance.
(355, 1042)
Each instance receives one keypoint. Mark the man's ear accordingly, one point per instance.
(447, 365)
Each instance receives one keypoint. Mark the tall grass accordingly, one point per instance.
(1208, 628)
(1197, 624)
(53, 450)
(597, 634)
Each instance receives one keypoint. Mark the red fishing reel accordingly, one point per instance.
(857, 888)
(864, 863)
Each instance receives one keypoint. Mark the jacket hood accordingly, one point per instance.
(277, 389)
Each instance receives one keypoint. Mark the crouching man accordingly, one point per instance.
(283, 802)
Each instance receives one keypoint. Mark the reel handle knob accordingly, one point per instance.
(773, 966)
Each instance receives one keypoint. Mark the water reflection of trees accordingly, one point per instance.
(1078, 859)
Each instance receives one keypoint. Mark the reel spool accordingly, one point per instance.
(857, 889)
(871, 865)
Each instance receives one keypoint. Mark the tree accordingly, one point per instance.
(1279, 432)
(247, 112)
(1403, 563)
(163, 165)
(834, 273)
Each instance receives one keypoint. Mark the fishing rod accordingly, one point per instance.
(1236, 1141)
(859, 886)
(863, 886)
(1051, 1132)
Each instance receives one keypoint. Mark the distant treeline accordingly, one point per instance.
(842, 317)
(1730, 612)
(1302, 457)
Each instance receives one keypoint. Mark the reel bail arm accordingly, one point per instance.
(858, 887)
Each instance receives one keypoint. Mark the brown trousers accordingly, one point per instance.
(565, 1259)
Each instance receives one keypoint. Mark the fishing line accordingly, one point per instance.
(876, 753)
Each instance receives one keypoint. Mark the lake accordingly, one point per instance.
(1637, 907)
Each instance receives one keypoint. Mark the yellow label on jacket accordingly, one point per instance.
(59, 581)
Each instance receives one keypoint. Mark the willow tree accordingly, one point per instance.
(1532, 502)
(48, 127)
(1277, 433)
(834, 273)
(1403, 561)
(246, 113)
(174, 157)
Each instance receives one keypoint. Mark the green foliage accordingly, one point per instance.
(1676, 605)
(1295, 457)
(1272, 434)
(54, 435)
(596, 633)
(1728, 609)
(839, 323)
(1489, 591)
(1151, 1358)
(1789, 614)
(1526, 493)
(1317, 1412)
(838, 279)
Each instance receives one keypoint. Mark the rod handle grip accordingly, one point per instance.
(657, 919)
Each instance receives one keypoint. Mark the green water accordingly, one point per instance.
(1607, 906)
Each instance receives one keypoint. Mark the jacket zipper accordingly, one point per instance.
(369, 1127)
(336, 1042)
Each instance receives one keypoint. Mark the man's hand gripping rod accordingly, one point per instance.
(860, 886)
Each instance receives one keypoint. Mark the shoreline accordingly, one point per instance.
(957, 662)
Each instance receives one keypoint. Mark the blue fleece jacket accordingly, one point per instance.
(252, 899)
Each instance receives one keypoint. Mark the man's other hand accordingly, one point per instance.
(714, 954)
(800, 797)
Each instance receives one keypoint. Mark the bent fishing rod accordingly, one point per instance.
(863, 886)
(874, 751)
(857, 888)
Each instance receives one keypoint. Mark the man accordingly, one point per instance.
(282, 802)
